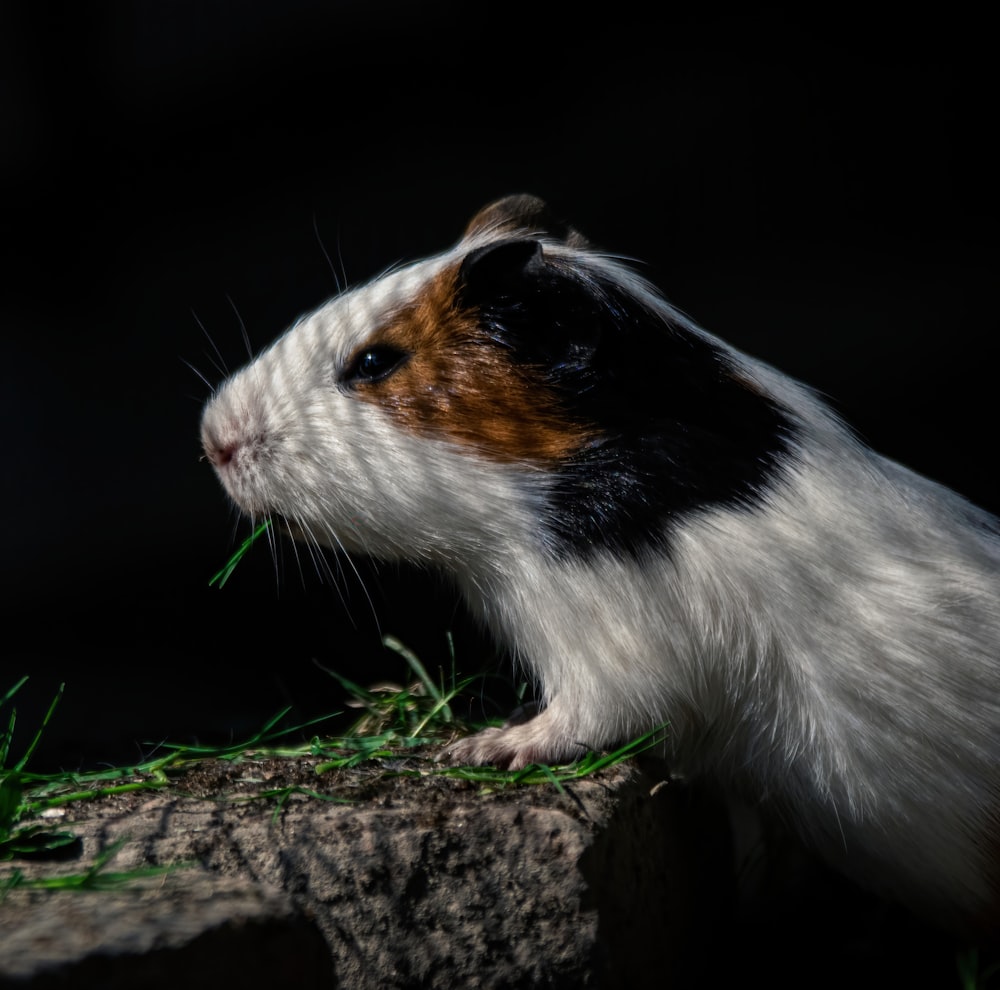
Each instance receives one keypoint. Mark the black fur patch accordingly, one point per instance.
(679, 431)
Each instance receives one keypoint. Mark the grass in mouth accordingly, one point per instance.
(222, 576)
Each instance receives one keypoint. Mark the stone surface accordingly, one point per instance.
(407, 881)
(187, 929)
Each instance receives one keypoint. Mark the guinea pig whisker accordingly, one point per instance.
(243, 328)
(214, 355)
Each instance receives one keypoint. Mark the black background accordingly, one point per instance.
(819, 190)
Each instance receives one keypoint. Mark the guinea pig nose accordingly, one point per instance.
(220, 454)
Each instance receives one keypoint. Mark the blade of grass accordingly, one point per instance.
(8, 734)
(20, 765)
(256, 741)
(222, 576)
(418, 668)
(95, 877)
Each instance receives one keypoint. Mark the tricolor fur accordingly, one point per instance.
(661, 529)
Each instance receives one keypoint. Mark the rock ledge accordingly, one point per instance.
(380, 882)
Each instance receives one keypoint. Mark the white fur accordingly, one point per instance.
(833, 653)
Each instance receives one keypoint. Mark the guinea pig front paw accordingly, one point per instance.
(486, 748)
(513, 747)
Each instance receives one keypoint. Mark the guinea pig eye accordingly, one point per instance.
(373, 364)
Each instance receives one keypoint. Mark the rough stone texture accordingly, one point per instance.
(189, 930)
(419, 881)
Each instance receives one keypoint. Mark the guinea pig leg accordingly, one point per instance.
(544, 738)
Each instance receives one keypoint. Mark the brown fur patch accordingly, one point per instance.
(460, 385)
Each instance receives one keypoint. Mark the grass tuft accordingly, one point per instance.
(18, 840)
(395, 735)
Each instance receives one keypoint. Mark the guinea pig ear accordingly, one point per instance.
(497, 268)
(544, 314)
(526, 215)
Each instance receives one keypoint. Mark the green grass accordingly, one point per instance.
(222, 576)
(16, 786)
(95, 877)
(396, 734)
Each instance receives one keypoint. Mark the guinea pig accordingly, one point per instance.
(661, 529)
